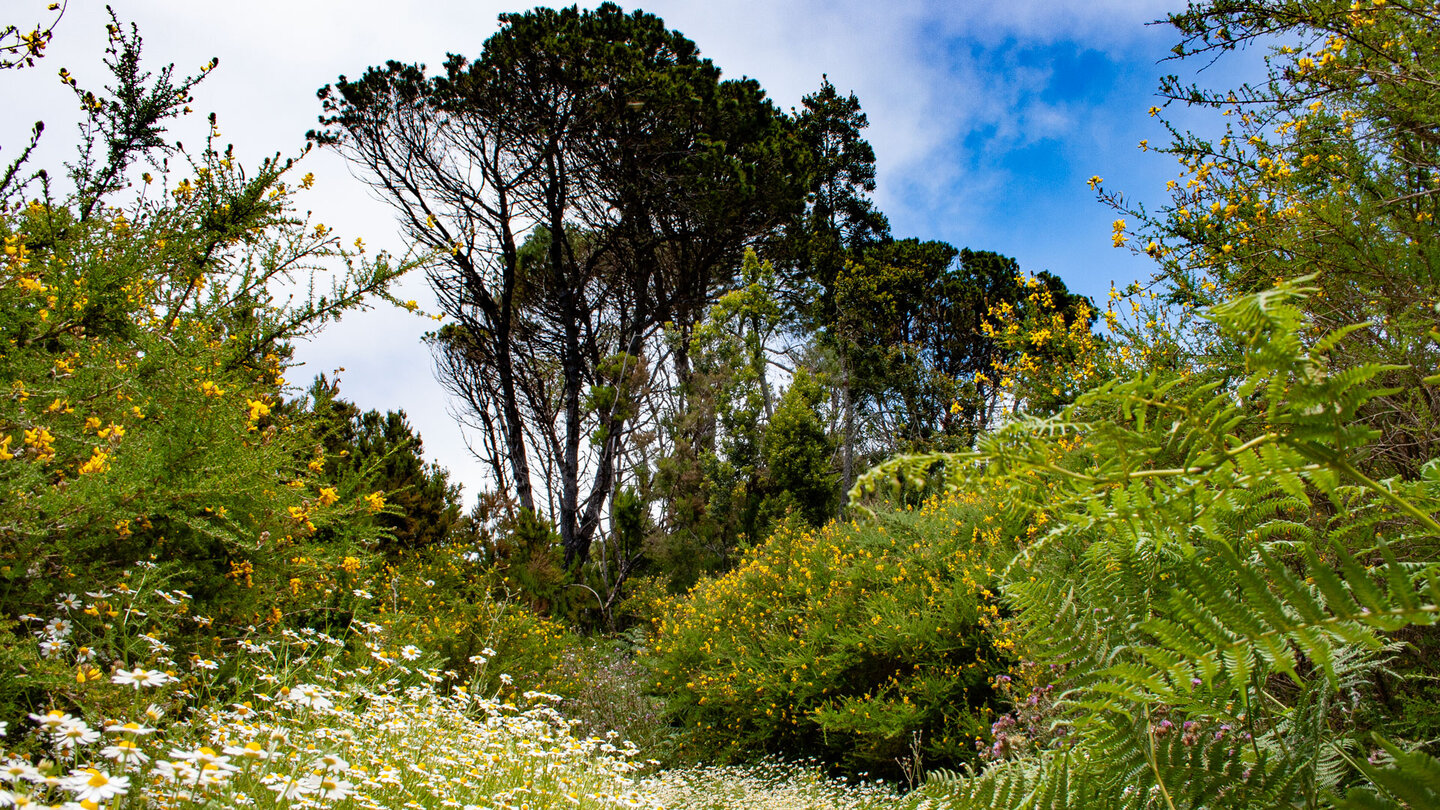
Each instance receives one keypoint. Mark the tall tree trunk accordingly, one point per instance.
(757, 362)
(567, 292)
(514, 423)
(847, 452)
(604, 486)
(514, 426)
(501, 315)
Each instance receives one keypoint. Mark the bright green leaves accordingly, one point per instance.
(1399, 778)
(1175, 561)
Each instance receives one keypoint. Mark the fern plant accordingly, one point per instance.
(1211, 579)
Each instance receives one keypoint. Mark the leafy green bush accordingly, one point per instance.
(868, 645)
(141, 357)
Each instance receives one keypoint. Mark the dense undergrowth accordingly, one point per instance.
(873, 646)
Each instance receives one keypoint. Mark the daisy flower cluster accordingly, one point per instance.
(393, 746)
(86, 768)
(773, 785)
(118, 627)
(325, 744)
(301, 719)
(306, 719)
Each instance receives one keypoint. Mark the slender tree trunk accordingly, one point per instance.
(757, 362)
(576, 547)
(505, 362)
(604, 486)
(847, 453)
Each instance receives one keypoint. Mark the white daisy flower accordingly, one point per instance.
(52, 647)
(331, 762)
(75, 734)
(8, 799)
(140, 677)
(125, 752)
(250, 752)
(132, 728)
(52, 719)
(202, 756)
(329, 787)
(308, 694)
(94, 785)
(17, 770)
(156, 645)
(288, 787)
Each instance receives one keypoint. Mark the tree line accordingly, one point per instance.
(663, 290)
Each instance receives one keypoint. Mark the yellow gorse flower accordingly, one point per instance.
(257, 409)
(98, 462)
(375, 501)
(43, 443)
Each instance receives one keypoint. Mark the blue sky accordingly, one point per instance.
(987, 120)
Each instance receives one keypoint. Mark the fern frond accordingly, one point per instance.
(1409, 779)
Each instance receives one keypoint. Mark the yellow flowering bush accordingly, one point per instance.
(143, 422)
(866, 644)
(1049, 353)
(141, 366)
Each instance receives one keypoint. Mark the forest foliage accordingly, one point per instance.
(1172, 549)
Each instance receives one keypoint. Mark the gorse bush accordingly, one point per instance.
(1326, 168)
(142, 353)
(142, 426)
(867, 645)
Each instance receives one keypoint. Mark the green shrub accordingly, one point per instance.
(867, 645)
(142, 350)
